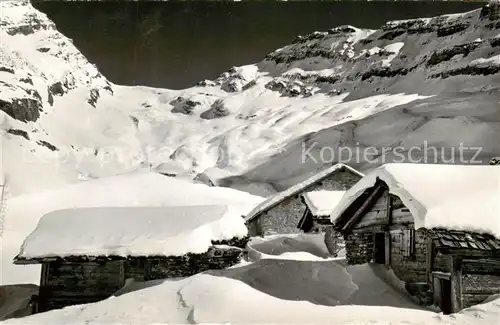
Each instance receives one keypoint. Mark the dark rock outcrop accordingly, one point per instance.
(217, 110)
(47, 144)
(495, 161)
(22, 109)
(290, 88)
(446, 54)
(452, 29)
(470, 70)
(57, 89)
(386, 72)
(491, 11)
(21, 133)
(6, 69)
(184, 105)
(93, 96)
(135, 120)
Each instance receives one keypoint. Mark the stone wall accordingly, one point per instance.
(359, 248)
(284, 217)
(190, 264)
(477, 287)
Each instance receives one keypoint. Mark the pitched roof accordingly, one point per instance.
(131, 231)
(453, 197)
(297, 188)
(321, 203)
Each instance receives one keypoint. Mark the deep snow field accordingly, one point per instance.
(70, 138)
(297, 286)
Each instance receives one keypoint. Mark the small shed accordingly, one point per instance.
(436, 226)
(316, 218)
(86, 254)
(281, 213)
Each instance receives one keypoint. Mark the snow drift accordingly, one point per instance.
(225, 299)
(132, 231)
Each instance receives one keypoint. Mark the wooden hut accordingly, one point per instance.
(436, 226)
(281, 213)
(87, 254)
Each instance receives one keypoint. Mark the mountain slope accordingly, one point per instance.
(411, 83)
(433, 80)
(48, 92)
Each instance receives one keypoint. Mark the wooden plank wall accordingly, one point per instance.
(414, 267)
(69, 283)
(376, 218)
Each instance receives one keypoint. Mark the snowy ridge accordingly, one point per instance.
(439, 196)
(322, 203)
(132, 231)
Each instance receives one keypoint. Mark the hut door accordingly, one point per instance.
(445, 296)
(379, 248)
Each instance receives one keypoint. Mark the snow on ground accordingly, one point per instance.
(458, 197)
(271, 290)
(137, 189)
(276, 245)
(268, 292)
(132, 231)
(14, 300)
(321, 203)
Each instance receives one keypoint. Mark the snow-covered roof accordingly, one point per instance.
(296, 189)
(131, 231)
(321, 203)
(454, 197)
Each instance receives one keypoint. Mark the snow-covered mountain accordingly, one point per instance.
(430, 80)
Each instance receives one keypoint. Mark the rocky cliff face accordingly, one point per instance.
(33, 74)
(43, 79)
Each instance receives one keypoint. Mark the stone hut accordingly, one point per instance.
(281, 213)
(316, 218)
(436, 226)
(87, 254)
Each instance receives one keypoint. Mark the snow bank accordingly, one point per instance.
(455, 197)
(303, 247)
(209, 299)
(297, 188)
(131, 231)
(321, 203)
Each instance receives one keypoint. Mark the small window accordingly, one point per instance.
(408, 243)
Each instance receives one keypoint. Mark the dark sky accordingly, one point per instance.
(175, 44)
